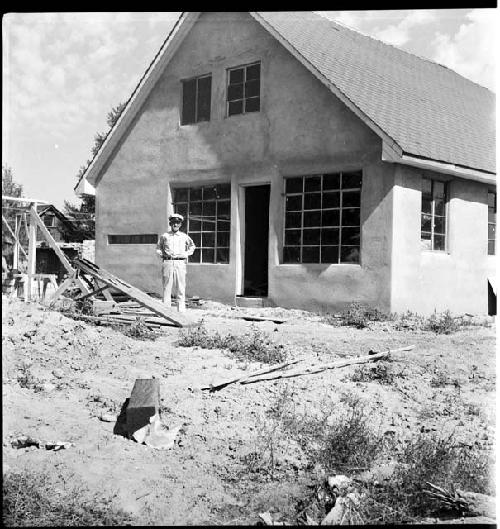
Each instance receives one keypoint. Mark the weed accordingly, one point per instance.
(139, 330)
(441, 323)
(254, 346)
(25, 377)
(409, 321)
(439, 380)
(378, 372)
(357, 315)
(34, 499)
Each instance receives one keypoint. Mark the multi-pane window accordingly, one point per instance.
(147, 238)
(243, 89)
(492, 222)
(322, 218)
(433, 215)
(207, 214)
(196, 100)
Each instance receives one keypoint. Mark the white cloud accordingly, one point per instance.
(400, 33)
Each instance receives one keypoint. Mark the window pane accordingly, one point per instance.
(294, 185)
(312, 183)
(491, 200)
(312, 200)
(312, 218)
(207, 255)
(426, 223)
(180, 194)
(209, 209)
(223, 255)
(439, 225)
(234, 92)
(311, 236)
(351, 198)
(293, 220)
(425, 244)
(349, 254)
(209, 192)
(204, 98)
(329, 236)
(331, 181)
(438, 189)
(310, 254)
(223, 209)
(252, 88)
(195, 208)
(182, 209)
(223, 190)
(235, 107)
(194, 224)
(252, 105)
(425, 235)
(195, 258)
(195, 193)
(351, 180)
(293, 237)
(291, 254)
(196, 238)
(223, 225)
(426, 186)
(492, 216)
(208, 224)
(426, 205)
(207, 240)
(293, 203)
(491, 231)
(350, 236)
(439, 206)
(491, 247)
(253, 71)
(331, 199)
(439, 242)
(330, 217)
(188, 101)
(223, 238)
(236, 76)
(329, 254)
(350, 217)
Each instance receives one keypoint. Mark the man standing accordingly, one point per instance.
(174, 247)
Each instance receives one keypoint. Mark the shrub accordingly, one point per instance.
(441, 323)
(25, 377)
(139, 330)
(357, 315)
(378, 372)
(253, 346)
(33, 499)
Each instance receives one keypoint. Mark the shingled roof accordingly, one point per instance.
(429, 110)
(422, 110)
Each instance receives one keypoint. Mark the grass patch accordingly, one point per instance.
(357, 315)
(34, 499)
(381, 372)
(254, 346)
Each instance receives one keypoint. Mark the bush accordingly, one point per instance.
(441, 323)
(253, 346)
(139, 330)
(357, 315)
(378, 372)
(33, 499)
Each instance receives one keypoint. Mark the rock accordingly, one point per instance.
(107, 417)
(58, 373)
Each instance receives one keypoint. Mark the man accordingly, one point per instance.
(174, 247)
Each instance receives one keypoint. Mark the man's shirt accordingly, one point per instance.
(175, 244)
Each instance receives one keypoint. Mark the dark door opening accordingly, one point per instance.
(256, 240)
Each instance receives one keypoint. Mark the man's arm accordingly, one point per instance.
(162, 248)
(190, 246)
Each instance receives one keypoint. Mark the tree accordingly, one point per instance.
(9, 210)
(83, 215)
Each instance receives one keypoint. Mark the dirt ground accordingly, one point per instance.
(203, 479)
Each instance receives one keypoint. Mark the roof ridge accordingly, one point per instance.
(411, 54)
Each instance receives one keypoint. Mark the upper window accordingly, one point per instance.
(207, 214)
(433, 215)
(243, 89)
(49, 220)
(492, 221)
(196, 100)
(322, 218)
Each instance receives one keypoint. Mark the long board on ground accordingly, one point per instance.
(179, 319)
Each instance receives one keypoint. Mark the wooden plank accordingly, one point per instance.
(63, 287)
(93, 293)
(16, 239)
(177, 318)
(31, 256)
(262, 318)
(143, 404)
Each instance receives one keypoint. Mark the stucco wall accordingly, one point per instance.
(456, 279)
(302, 128)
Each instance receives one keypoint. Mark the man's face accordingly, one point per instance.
(175, 224)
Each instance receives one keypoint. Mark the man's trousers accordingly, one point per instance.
(174, 282)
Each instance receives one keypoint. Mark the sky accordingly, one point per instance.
(63, 73)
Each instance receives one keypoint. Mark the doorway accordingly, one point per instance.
(255, 280)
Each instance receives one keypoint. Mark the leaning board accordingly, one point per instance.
(179, 319)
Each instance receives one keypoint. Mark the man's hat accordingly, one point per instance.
(176, 216)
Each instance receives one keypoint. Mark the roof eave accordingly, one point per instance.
(388, 155)
(141, 92)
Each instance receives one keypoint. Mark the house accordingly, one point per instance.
(69, 238)
(315, 167)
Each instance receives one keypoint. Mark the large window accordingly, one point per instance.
(433, 215)
(243, 89)
(322, 218)
(207, 214)
(196, 100)
(492, 221)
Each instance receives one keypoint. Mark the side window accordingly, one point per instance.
(433, 215)
(207, 214)
(243, 89)
(492, 221)
(196, 100)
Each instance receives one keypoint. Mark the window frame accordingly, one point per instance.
(433, 215)
(185, 208)
(492, 223)
(339, 226)
(196, 117)
(244, 99)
